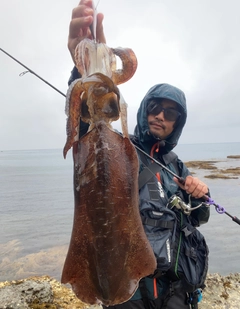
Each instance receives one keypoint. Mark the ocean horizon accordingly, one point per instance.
(36, 209)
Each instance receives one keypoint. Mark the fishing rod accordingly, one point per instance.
(210, 201)
(206, 198)
(31, 71)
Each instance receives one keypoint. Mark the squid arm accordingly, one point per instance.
(129, 65)
(73, 112)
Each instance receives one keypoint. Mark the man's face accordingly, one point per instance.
(161, 121)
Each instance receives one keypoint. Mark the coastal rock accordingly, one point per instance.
(212, 166)
(221, 292)
(20, 294)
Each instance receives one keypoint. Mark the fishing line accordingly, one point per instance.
(31, 71)
(97, 4)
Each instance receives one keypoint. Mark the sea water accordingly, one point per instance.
(36, 210)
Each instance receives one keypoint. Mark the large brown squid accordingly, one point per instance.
(109, 252)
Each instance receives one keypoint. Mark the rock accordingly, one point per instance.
(227, 173)
(221, 292)
(56, 296)
(233, 157)
(21, 294)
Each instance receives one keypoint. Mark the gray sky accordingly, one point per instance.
(191, 44)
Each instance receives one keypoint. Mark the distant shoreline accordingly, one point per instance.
(215, 172)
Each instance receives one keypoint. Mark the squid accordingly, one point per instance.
(109, 252)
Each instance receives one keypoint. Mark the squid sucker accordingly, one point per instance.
(109, 252)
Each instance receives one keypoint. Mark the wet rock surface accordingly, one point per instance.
(221, 292)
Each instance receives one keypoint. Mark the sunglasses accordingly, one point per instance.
(169, 113)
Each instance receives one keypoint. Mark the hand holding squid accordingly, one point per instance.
(79, 28)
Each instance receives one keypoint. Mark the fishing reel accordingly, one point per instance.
(176, 201)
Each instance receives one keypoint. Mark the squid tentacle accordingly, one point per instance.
(96, 62)
(129, 65)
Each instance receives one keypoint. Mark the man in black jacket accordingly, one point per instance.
(160, 120)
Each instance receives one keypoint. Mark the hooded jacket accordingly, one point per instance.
(154, 194)
(160, 91)
(145, 140)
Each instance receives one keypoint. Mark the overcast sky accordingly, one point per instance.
(192, 44)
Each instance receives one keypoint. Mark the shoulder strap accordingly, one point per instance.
(148, 172)
(171, 157)
(151, 169)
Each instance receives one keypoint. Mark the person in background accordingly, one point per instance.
(160, 119)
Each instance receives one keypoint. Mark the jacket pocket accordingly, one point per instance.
(160, 228)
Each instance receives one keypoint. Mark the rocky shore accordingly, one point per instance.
(46, 292)
(212, 169)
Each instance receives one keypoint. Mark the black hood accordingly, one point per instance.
(160, 91)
